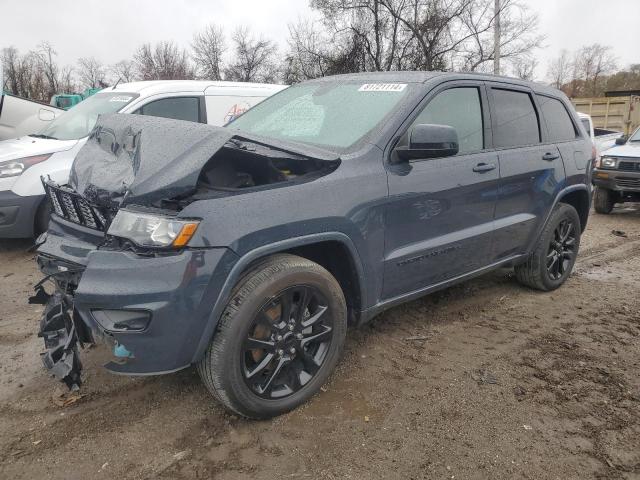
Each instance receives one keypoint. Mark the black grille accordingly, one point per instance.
(628, 182)
(72, 207)
(629, 166)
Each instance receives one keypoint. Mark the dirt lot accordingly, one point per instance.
(484, 380)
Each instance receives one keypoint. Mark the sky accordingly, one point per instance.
(111, 30)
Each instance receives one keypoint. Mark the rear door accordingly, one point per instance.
(439, 219)
(531, 169)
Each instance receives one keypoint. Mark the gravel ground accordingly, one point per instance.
(483, 380)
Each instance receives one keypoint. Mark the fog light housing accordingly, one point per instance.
(122, 320)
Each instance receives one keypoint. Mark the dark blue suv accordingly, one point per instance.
(247, 250)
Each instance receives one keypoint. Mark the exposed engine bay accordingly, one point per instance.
(161, 163)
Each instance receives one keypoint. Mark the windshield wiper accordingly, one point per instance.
(39, 135)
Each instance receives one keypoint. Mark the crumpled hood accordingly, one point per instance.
(137, 159)
(29, 146)
(629, 149)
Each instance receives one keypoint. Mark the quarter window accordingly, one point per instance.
(178, 108)
(516, 122)
(461, 109)
(559, 123)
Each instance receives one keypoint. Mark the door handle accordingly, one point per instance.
(484, 167)
(550, 156)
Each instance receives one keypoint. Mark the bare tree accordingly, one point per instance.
(309, 52)
(254, 58)
(25, 75)
(594, 61)
(164, 61)
(91, 72)
(524, 68)
(10, 66)
(45, 56)
(67, 81)
(560, 69)
(475, 49)
(208, 48)
(369, 35)
(123, 71)
(365, 35)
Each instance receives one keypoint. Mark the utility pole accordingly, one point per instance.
(496, 39)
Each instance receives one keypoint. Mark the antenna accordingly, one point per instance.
(114, 87)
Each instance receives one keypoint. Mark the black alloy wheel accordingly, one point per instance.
(554, 254)
(278, 339)
(287, 342)
(561, 249)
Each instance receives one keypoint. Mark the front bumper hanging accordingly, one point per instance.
(58, 329)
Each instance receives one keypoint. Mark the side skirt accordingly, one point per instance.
(368, 314)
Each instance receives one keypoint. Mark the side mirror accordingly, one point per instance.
(621, 140)
(46, 115)
(430, 141)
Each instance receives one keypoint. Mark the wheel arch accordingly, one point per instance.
(332, 250)
(580, 199)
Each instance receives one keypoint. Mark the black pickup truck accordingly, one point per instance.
(248, 250)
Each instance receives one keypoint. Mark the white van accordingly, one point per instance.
(23, 211)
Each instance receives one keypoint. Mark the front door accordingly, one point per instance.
(439, 218)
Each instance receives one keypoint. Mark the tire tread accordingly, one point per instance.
(260, 273)
(530, 273)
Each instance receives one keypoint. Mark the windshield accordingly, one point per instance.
(636, 136)
(325, 114)
(78, 121)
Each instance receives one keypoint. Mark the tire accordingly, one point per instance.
(603, 200)
(547, 269)
(259, 293)
(41, 220)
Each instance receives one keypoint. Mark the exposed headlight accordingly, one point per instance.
(13, 168)
(609, 162)
(148, 230)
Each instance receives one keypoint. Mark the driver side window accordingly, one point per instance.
(461, 109)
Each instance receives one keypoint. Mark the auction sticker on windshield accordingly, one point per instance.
(382, 87)
(120, 98)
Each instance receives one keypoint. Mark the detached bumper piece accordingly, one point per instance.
(58, 329)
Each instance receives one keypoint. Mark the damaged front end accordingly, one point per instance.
(60, 327)
(118, 251)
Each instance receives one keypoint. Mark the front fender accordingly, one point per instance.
(261, 252)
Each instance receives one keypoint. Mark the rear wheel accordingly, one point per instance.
(278, 339)
(555, 253)
(603, 200)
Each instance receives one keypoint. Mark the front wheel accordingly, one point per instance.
(555, 252)
(603, 200)
(279, 338)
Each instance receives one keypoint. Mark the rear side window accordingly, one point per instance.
(178, 108)
(461, 109)
(516, 122)
(559, 123)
